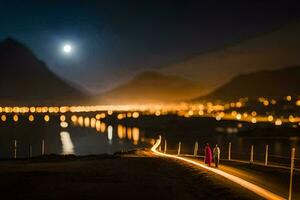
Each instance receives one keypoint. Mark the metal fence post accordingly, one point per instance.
(15, 149)
(196, 149)
(43, 147)
(179, 148)
(229, 151)
(251, 155)
(292, 171)
(267, 152)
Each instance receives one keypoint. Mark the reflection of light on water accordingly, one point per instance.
(129, 134)
(124, 132)
(132, 133)
(102, 127)
(98, 124)
(86, 122)
(135, 135)
(110, 134)
(121, 131)
(93, 123)
(80, 121)
(67, 145)
(74, 119)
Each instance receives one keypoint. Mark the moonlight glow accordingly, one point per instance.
(67, 48)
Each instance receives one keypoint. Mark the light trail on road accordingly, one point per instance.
(250, 186)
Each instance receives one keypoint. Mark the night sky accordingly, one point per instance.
(114, 40)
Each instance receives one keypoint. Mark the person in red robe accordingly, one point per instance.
(208, 155)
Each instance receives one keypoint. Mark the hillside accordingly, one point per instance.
(25, 80)
(276, 83)
(152, 87)
(212, 69)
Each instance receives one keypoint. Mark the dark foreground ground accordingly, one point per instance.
(131, 176)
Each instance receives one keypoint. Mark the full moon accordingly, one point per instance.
(67, 48)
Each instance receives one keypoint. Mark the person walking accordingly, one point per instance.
(216, 153)
(208, 155)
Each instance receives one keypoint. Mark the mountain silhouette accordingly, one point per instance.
(266, 83)
(274, 50)
(25, 80)
(151, 87)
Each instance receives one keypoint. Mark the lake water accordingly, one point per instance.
(85, 135)
(67, 137)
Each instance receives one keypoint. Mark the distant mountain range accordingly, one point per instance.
(152, 87)
(202, 74)
(274, 50)
(276, 83)
(262, 60)
(25, 80)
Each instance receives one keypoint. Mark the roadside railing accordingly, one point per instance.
(15, 150)
(291, 163)
(251, 157)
